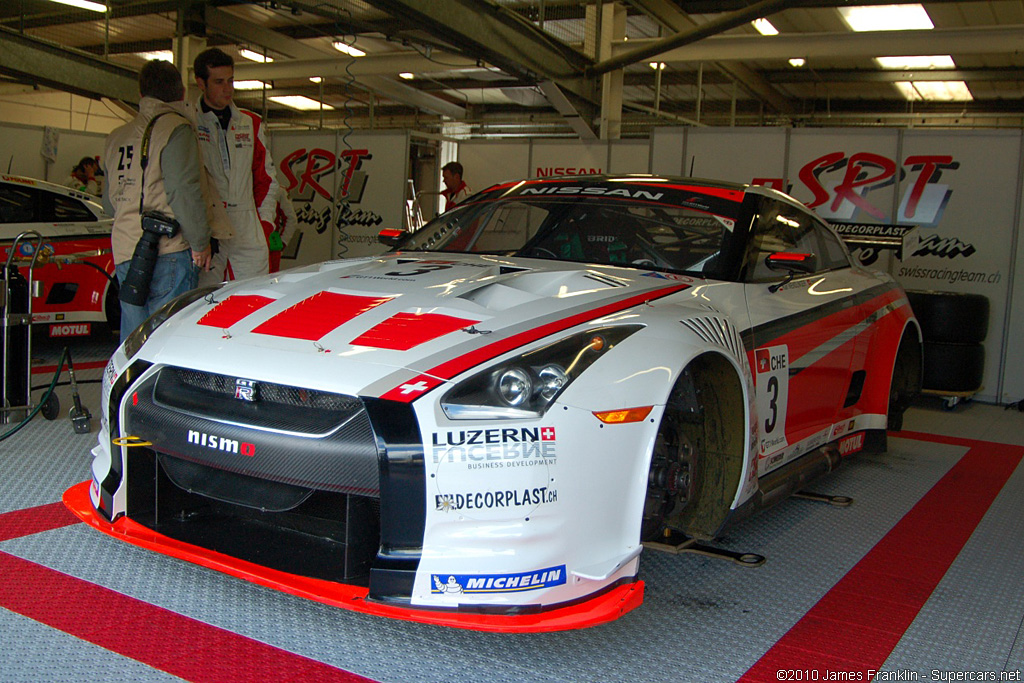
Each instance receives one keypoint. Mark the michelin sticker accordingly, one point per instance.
(771, 369)
(457, 584)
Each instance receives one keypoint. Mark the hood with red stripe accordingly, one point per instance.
(379, 325)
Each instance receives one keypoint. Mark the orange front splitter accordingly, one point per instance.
(603, 608)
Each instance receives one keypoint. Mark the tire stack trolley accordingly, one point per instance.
(16, 306)
(953, 327)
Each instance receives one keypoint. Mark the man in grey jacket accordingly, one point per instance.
(171, 184)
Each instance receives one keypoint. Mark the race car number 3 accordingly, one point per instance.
(771, 369)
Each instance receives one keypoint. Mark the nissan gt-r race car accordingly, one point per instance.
(483, 427)
(74, 267)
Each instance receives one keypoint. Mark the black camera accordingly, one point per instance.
(135, 288)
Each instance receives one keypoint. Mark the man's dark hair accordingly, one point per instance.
(210, 59)
(161, 80)
(453, 167)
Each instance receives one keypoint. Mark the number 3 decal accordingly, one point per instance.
(771, 370)
(423, 269)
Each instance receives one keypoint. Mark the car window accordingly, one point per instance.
(67, 209)
(17, 204)
(780, 227)
(834, 255)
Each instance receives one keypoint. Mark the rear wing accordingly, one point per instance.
(880, 236)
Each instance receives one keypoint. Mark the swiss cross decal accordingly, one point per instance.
(763, 360)
(414, 388)
(547, 434)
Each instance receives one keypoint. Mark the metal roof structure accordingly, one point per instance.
(544, 68)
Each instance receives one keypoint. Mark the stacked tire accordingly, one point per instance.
(953, 327)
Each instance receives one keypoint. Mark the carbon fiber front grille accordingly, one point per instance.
(274, 406)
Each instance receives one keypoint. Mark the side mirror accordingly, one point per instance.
(791, 262)
(391, 237)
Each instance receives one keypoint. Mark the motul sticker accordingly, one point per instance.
(771, 370)
(851, 444)
(70, 330)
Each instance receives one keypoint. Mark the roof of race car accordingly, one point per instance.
(46, 185)
(654, 178)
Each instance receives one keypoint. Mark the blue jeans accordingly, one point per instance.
(173, 275)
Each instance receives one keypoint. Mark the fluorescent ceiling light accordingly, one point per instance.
(254, 56)
(797, 62)
(162, 55)
(348, 49)
(764, 27)
(84, 4)
(886, 18)
(300, 102)
(936, 91)
(407, 75)
(917, 62)
(315, 79)
(250, 85)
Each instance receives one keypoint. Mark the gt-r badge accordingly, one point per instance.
(245, 390)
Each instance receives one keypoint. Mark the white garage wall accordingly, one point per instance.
(489, 163)
(961, 189)
(20, 148)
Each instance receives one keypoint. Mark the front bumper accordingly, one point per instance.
(599, 609)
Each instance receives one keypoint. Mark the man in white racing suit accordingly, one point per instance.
(236, 155)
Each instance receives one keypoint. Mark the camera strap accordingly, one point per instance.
(144, 155)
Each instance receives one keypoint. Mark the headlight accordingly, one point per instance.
(525, 387)
(141, 334)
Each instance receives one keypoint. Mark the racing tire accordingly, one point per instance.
(951, 318)
(112, 307)
(686, 491)
(907, 379)
(953, 367)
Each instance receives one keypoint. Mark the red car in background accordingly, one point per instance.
(75, 268)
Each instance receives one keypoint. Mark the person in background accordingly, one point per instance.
(455, 187)
(236, 155)
(285, 225)
(84, 177)
(172, 183)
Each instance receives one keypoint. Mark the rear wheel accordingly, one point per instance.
(112, 306)
(906, 380)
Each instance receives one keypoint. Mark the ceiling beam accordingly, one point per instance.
(653, 48)
(669, 15)
(65, 69)
(501, 37)
(381, 64)
(991, 75)
(230, 25)
(972, 40)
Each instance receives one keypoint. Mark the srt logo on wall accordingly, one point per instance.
(841, 186)
(312, 175)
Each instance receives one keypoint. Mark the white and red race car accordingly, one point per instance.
(482, 428)
(75, 268)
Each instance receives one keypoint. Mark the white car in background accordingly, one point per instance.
(75, 268)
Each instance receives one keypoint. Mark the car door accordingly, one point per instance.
(801, 329)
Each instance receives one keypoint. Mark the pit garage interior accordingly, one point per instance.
(918, 578)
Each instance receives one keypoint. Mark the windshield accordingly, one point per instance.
(591, 228)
